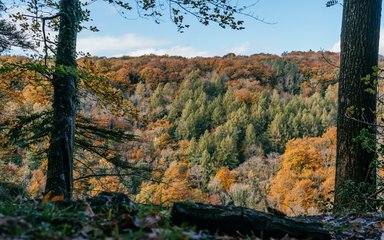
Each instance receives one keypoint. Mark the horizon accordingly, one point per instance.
(192, 57)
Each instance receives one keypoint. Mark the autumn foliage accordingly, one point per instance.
(206, 129)
(305, 180)
(174, 186)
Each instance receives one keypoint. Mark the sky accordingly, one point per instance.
(298, 25)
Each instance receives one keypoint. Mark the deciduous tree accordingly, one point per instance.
(360, 35)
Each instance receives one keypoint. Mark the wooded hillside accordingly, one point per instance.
(227, 130)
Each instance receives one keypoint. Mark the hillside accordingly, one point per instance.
(226, 130)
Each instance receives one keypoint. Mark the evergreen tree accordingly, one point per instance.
(230, 103)
(227, 155)
(186, 125)
(193, 152)
(218, 113)
(275, 134)
(60, 156)
(158, 99)
(208, 167)
(157, 103)
(250, 136)
(259, 115)
(205, 143)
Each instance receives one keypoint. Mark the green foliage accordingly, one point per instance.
(10, 191)
(224, 131)
(331, 3)
(287, 76)
(250, 136)
(368, 140)
(227, 154)
(355, 198)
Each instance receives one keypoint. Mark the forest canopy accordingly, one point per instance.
(206, 128)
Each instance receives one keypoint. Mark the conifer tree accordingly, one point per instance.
(208, 167)
(250, 135)
(227, 154)
(60, 156)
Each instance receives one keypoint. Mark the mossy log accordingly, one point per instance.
(233, 221)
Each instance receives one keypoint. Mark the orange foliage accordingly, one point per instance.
(174, 186)
(35, 94)
(49, 197)
(225, 177)
(111, 184)
(137, 154)
(152, 75)
(37, 183)
(306, 176)
(163, 141)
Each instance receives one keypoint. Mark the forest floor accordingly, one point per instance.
(114, 216)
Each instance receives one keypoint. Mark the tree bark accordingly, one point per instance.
(233, 221)
(60, 156)
(359, 53)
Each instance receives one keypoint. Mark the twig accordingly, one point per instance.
(93, 172)
(45, 37)
(327, 60)
(364, 122)
(101, 175)
(43, 19)
(373, 199)
(377, 192)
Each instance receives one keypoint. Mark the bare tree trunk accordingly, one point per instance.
(60, 156)
(359, 53)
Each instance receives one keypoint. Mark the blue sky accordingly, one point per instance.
(299, 25)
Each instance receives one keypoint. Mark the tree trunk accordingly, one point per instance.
(359, 53)
(235, 221)
(60, 156)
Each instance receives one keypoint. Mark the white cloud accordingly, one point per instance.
(381, 46)
(134, 45)
(108, 45)
(336, 46)
(242, 48)
(173, 51)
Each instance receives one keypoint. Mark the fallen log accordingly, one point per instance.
(233, 221)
